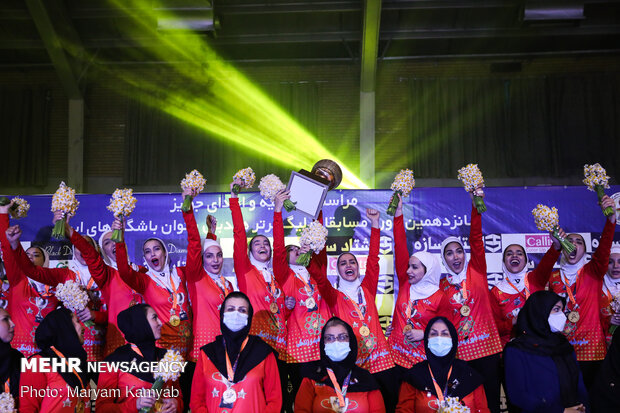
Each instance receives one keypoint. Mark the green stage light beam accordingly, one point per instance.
(237, 111)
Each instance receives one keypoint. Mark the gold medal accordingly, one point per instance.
(407, 328)
(175, 320)
(573, 317)
(229, 396)
(310, 303)
(273, 307)
(465, 310)
(364, 331)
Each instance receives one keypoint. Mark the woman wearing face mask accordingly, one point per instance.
(141, 328)
(163, 288)
(256, 279)
(510, 293)
(468, 291)
(237, 372)
(442, 375)
(309, 312)
(29, 301)
(610, 313)
(78, 272)
(354, 302)
(59, 336)
(581, 284)
(542, 374)
(335, 383)
(419, 297)
(206, 284)
(105, 282)
(10, 359)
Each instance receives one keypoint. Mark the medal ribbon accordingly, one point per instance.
(409, 308)
(7, 386)
(440, 394)
(230, 370)
(59, 354)
(341, 393)
(569, 289)
(360, 315)
(527, 290)
(225, 288)
(137, 350)
(175, 303)
(309, 288)
(46, 294)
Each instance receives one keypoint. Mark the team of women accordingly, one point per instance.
(289, 340)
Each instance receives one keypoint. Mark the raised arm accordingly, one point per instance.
(371, 278)
(280, 260)
(131, 277)
(600, 258)
(539, 276)
(401, 253)
(319, 273)
(241, 260)
(14, 273)
(48, 276)
(193, 266)
(478, 259)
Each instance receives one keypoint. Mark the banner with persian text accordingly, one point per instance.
(431, 214)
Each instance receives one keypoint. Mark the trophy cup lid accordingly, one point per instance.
(329, 170)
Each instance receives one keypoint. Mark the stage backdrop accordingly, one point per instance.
(431, 214)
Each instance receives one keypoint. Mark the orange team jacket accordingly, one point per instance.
(118, 295)
(314, 397)
(205, 295)
(269, 326)
(405, 353)
(478, 335)
(259, 391)
(54, 394)
(25, 304)
(94, 336)
(412, 400)
(305, 322)
(587, 336)
(172, 337)
(128, 385)
(508, 305)
(373, 352)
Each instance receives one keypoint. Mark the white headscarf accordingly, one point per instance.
(569, 271)
(264, 267)
(454, 278)
(162, 278)
(613, 286)
(517, 279)
(81, 270)
(108, 260)
(351, 289)
(40, 287)
(429, 284)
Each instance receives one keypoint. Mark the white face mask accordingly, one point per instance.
(337, 351)
(557, 321)
(235, 320)
(440, 346)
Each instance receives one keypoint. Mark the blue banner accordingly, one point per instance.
(431, 214)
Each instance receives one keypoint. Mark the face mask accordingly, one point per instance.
(440, 346)
(337, 351)
(235, 320)
(557, 322)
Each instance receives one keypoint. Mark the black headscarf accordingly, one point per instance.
(361, 379)
(10, 368)
(605, 393)
(57, 330)
(534, 336)
(254, 352)
(463, 379)
(135, 327)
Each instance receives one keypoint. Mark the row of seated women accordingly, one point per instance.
(291, 303)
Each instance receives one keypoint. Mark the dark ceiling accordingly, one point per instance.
(281, 30)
